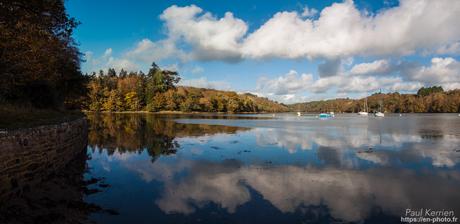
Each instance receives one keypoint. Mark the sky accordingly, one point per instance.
(289, 51)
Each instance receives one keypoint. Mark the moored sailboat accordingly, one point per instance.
(380, 113)
(364, 113)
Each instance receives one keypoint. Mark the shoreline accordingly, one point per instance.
(16, 120)
(230, 113)
(175, 112)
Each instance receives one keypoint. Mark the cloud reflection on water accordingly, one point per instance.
(289, 187)
(414, 167)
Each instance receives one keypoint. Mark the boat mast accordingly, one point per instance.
(365, 105)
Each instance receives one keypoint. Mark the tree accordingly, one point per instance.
(233, 104)
(429, 90)
(123, 73)
(111, 72)
(95, 95)
(132, 101)
(136, 91)
(221, 104)
(39, 60)
(162, 80)
(171, 98)
(113, 101)
(159, 81)
(437, 102)
(248, 105)
(157, 103)
(191, 103)
(141, 88)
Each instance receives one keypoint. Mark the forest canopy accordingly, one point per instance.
(157, 91)
(39, 60)
(427, 100)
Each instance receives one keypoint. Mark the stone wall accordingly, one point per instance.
(29, 156)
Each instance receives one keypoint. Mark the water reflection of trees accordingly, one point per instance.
(138, 132)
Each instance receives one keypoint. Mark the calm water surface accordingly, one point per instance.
(264, 169)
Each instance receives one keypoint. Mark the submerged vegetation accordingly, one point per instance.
(157, 91)
(427, 100)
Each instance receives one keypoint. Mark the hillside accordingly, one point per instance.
(157, 91)
(427, 100)
(211, 100)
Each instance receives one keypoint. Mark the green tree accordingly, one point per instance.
(161, 80)
(429, 90)
(111, 72)
(141, 85)
(123, 74)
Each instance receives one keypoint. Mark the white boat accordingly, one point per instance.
(299, 114)
(381, 108)
(325, 115)
(364, 113)
(379, 114)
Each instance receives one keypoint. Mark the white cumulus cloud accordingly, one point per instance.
(286, 84)
(405, 76)
(338, 32)
(442, 71)
(375, 67)
(107, 60)
(341, 30)
(210, 37)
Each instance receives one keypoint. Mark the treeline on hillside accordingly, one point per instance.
(39, 60)
(427, 100)
(157, 91)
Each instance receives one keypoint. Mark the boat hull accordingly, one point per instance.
(323, 115)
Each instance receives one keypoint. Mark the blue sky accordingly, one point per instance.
(290, 51)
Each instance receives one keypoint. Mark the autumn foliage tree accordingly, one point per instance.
(158, 91)
(39, 60)
(427, 100)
